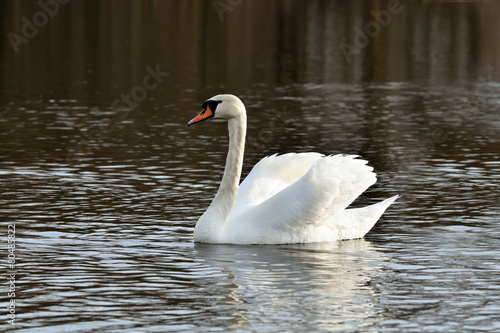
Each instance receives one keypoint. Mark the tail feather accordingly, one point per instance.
(356, 222)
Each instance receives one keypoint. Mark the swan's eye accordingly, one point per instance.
(208, 111)
(210, 103)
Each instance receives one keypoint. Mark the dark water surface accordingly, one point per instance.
(104, 182)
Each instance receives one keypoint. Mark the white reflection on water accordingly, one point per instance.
(309, 287)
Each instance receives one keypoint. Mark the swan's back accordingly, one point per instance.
(294, 198)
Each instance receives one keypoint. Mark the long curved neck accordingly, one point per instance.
(228, 189)
(212, 221)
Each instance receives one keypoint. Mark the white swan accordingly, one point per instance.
(291, 198)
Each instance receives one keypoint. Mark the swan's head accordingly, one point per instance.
(220, 106)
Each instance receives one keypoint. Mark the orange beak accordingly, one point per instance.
(204, 115)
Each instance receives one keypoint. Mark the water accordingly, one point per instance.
(104, 200)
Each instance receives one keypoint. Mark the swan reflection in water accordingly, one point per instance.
(318, 285)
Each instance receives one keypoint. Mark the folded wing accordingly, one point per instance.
(329, 185)
(271, 175)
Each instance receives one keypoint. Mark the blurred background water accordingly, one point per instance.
(104, 182)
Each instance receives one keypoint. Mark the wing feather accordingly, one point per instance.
(330, 185)
(271, 175)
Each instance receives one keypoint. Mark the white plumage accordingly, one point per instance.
(290, 198)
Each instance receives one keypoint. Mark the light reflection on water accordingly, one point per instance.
(315, 286)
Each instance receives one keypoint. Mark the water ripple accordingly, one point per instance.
(106, 244)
